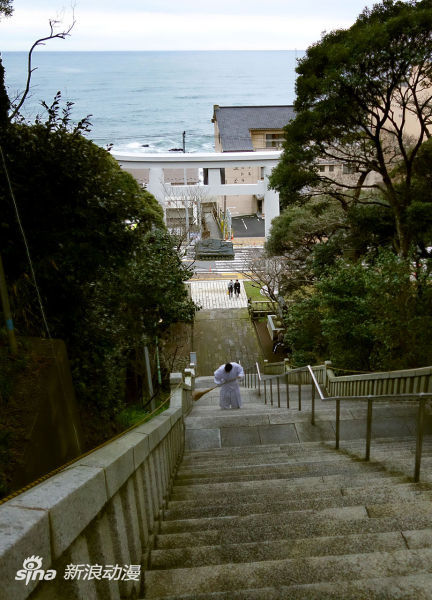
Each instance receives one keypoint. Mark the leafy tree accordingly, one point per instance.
(4, 103)
(302, 227)
(129, 307)
(268, 273)
(6, 8)
(365, 316)
(358, 90)
(346, 319)
(105, 267)
(303, 336)
(75, 204)
(107, 275)
(419, 212)
(401, 334)
(302, 231)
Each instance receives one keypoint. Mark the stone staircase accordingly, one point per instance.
(299, 520)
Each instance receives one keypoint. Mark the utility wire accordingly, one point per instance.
(39, 298)
(25, 244)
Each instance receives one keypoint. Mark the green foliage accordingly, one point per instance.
(131, 415)
(357, 90)
(253, 291)
(346, 320)
(419, 212)
(301, 227)
(75, 205)
(371, 228)
(303, 334)
(4, 103)
(105, 266)
(348, 88)
(399, 293)
(127, 308)
(6, 8)
(366, 316)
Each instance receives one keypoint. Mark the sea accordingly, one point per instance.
(144, 101)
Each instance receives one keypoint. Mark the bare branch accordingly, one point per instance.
(41, 42)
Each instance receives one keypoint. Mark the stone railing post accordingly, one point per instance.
(191, 374)
(188, 386)
(327, 364)
(176, 380)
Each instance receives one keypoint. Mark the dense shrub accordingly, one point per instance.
(366, 316)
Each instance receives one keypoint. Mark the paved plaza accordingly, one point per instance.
(214, 294)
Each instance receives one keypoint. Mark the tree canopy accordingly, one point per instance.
(74, 204)
(364, 101)
(6, 8)
(107, 273)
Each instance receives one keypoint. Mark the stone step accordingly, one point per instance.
(257, 459)
(377, 488)
(301, 485)
(290, 472)
(278, 461)
(281, 460)
(279, 504)
(304, 447)
(278, 456)
(344, 513)
(409, 587)
(309, 526)
(175, 558)
(248, 457)
(287, 572)
(382, 444)
(271, 470)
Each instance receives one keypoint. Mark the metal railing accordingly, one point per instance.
(317, 378)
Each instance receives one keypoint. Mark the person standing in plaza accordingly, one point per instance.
(226, 377)
(237, 288)
(230, 288)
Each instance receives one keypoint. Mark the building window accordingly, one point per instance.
(349, 169)
(331, 168)
(321, 168)
(274, 140)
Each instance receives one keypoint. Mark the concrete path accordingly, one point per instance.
(222, 335)
(257, 423)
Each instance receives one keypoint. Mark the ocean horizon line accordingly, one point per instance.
(48, 51)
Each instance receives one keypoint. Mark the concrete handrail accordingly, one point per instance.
(392, 383)
(411, 385)
(104, 509)
(380, 383)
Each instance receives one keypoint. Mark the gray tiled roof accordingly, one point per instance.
(235, 123)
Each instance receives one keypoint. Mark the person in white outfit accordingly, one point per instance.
(226, 377)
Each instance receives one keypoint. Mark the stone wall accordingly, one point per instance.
(102, 510)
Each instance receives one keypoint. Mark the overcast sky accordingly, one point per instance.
(179, 24)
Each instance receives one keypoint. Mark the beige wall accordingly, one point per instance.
(243, 205)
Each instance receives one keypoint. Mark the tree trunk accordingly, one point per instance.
(403, 241)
